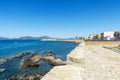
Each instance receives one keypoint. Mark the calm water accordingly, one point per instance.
(14, 47)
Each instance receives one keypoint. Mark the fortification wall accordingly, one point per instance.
(74, 70)
(102, 43)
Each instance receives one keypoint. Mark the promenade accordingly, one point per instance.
(88, 63)
(101, 64)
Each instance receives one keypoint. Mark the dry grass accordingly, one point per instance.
(112, 48)
(117, 47)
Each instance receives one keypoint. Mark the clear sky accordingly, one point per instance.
(58, 18)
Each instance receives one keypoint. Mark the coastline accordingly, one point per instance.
(78, 61)
(2, 61)
(75, 63)
(16, 59)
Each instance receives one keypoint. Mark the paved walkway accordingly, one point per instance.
(101, 64)
(67, 72)
(88, 63)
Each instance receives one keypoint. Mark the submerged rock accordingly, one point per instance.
(26, 76)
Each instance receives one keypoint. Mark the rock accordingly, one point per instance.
(48, 58)
(31, 62)
(57, 62)
(14, 57)
(26, 76)
(2, 61)
(50, 53)
(35, 58)
(12, 78)
(53, 61)
(28, 63)
(21, 55)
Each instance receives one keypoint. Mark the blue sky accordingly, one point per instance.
(58, 18)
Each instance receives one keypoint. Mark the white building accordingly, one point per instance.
(108, 35)
(93, 37)
(49, 39)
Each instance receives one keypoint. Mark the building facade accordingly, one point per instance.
(108, 36)
(117, 35)
(93, 37)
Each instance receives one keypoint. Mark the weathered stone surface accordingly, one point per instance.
(77, 56)
(94, 62)
(101, 64)
(67, 72)
(74, 70)
(82, 44)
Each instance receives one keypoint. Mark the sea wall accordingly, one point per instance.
(91, 62)
(98, 43)
(102, 43)
(74, 70)
(77, 56)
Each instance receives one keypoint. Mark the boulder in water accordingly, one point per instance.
(31, 62)
(35, 58)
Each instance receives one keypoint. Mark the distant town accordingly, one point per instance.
(108, 35)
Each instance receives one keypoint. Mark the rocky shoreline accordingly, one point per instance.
(35, 58)
(2, 61)
(26, 76)
(32, 61)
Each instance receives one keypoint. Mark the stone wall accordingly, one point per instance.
(76, 57)
(74, 70)
(102, 43)
(89, 63)
(98, 43)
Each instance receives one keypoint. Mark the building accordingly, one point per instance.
(117, 35)
(84, 38)
(108, 35)
(49, 39)
(93, 37)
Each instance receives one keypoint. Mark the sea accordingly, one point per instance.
(10, 48)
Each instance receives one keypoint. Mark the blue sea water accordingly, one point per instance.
(13, 47)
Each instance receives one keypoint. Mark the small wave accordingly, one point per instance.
(1, 70)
